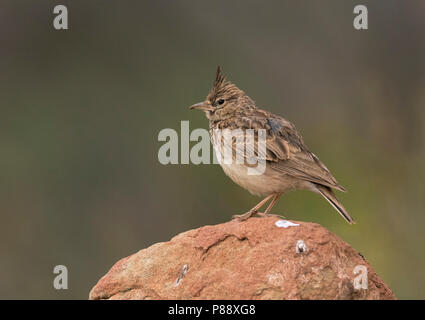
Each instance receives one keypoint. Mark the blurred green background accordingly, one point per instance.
(80, 182)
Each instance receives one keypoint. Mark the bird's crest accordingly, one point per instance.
(223, 87)
(219, 79)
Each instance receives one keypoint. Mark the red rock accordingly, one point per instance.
(254, 259)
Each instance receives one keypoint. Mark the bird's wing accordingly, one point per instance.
(306, 166)
(284, 150)
(291, 156)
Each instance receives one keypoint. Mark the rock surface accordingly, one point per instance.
(261, 258)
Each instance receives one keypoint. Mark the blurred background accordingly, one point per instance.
(81, 109)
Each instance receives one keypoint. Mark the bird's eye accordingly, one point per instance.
(221, 101)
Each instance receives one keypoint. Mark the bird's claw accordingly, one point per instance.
(270, 215)
(243, 217)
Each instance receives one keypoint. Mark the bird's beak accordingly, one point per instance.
(201, 106)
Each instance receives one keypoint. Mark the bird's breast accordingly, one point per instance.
(257, 179)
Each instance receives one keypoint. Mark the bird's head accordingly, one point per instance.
(223, 100)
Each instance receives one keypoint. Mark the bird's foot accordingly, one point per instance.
(243, 217)
(270, 215)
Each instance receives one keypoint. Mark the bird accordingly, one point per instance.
(289, 164)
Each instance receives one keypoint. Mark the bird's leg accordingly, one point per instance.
(269, 208)
(253, 210)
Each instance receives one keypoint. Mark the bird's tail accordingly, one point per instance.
(328, 194)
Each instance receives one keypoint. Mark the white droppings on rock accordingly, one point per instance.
(300, 247)
(181, 275)
(285, 224)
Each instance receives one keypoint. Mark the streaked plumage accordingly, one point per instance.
(289, 163)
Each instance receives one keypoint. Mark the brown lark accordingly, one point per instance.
(289, 163)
